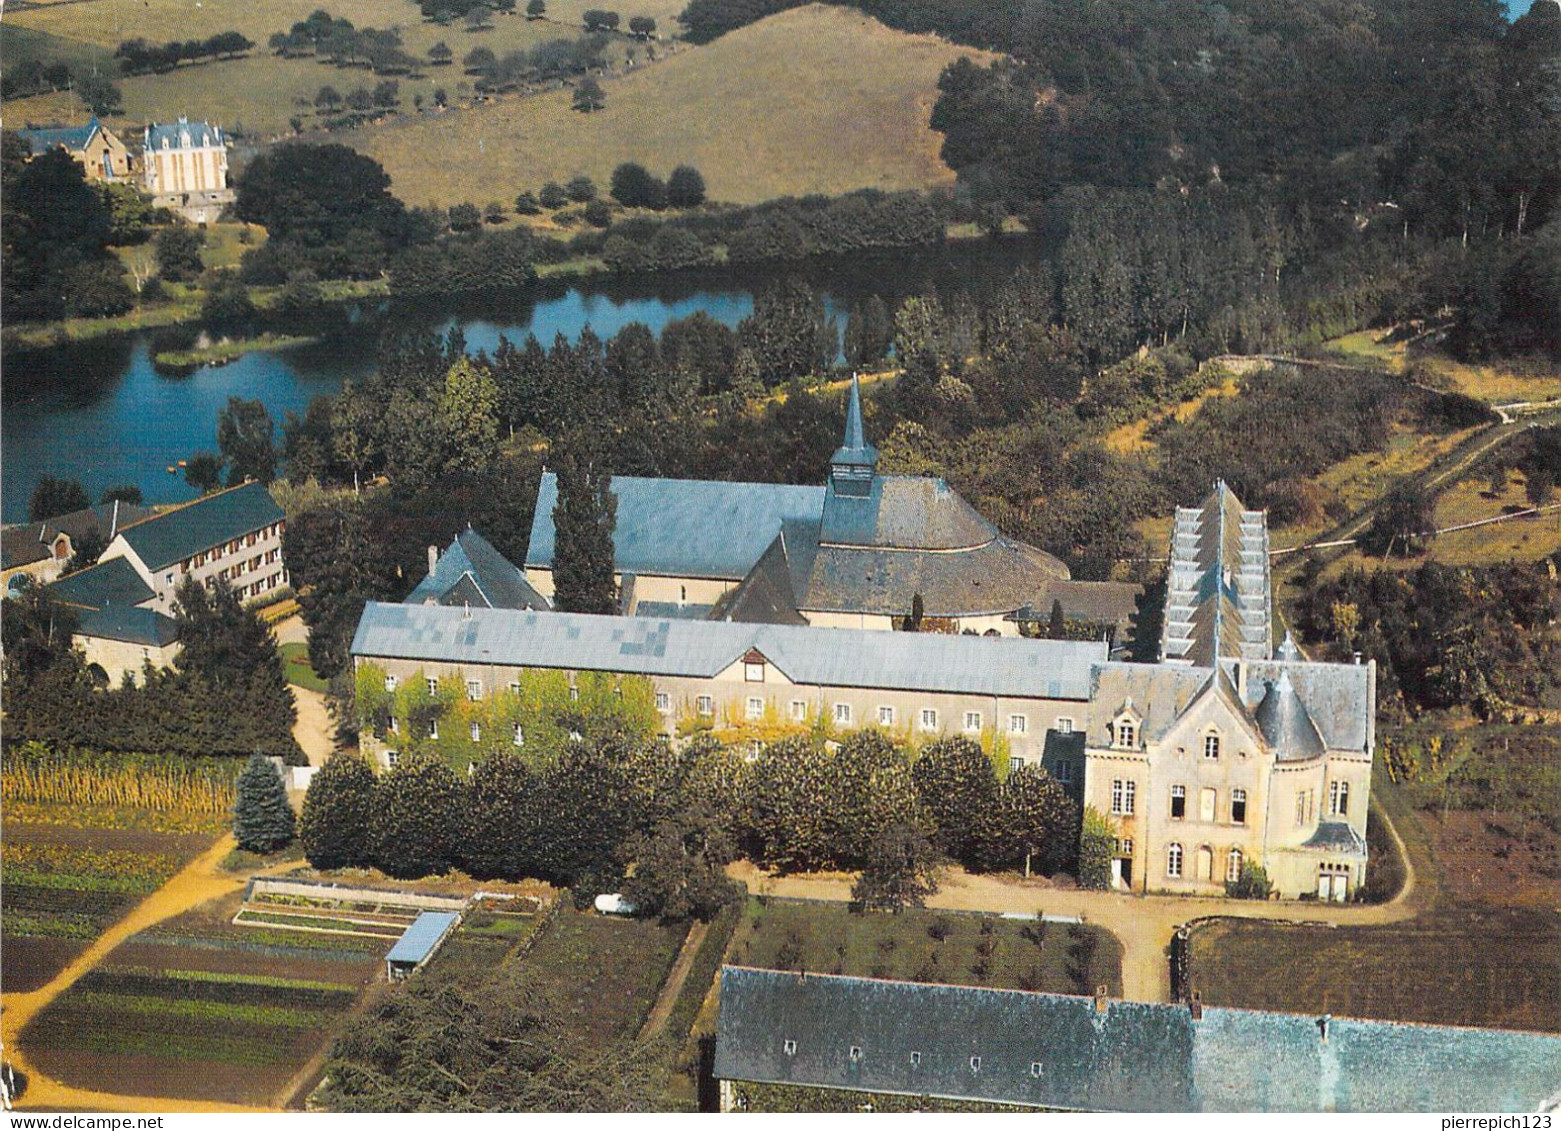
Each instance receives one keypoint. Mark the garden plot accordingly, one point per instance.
(491, 933)
(928, 946)
(64, 885)
(324, 916)
(199, 1008)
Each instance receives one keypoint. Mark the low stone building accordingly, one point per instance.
(95, 147)
(781, 1034)
(38, 551)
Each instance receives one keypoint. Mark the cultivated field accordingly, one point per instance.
(199, 1008)
(65, 884)
(1455, 967)
(812, 100)
(928, 946)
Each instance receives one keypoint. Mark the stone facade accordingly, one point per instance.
(184, 167)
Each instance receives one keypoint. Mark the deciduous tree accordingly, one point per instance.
(338, 814)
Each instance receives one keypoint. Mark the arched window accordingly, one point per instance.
(1233, 865)
(1173, 861)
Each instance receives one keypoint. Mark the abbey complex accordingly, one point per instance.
(755, 608)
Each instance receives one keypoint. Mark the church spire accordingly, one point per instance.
(853, 465)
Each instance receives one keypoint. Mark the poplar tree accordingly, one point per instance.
(583, 524)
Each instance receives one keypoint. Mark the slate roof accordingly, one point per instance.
(830, 657)
(185, 531)
(684, 527)
(1336, 700)
(107, 599)
(174, 133)
(1285, 724)
(31, 542)
(1217, 584)
(422, 937)
(908, 512)
(131, 625)
(1098, 602)
(1057, 1051)
(114, 582)
(854, 450)
(1337, 836)
(472, 572)
(73, 138)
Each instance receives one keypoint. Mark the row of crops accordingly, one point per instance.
(36, 774)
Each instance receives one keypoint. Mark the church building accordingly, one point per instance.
(863, 551)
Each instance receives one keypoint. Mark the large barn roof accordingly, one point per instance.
(1056, 1051)
(828, 657)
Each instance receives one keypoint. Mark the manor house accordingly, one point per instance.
(1226, 750)
(862, 551)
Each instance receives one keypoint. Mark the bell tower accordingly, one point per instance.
(854, 463)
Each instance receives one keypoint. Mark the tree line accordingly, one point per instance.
(138, 57)
(662, 822)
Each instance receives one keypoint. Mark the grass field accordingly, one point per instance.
(262, 92)
(64, 884)
(812, 100)
(201, 1009)
(927, 946)
(1497, 384)
(1459, 967)
(295, 663)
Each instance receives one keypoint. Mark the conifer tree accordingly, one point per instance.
(338, 814)
(583, 524)
(262, 818)
(417, 818)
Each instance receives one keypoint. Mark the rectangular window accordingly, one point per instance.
(972, 722)
(1015, 763)
(1339, 799)
(1018, 724)
(474, 689)
(929, 718)
(886, 716)
(1065, 773)
(1127, 734)
(1300, 807)
(1124, 846)
(753, 673)
(514, 687)
(433, 728)
(799, 710)
(390, 683)
(1211, 746)
(520, 735)
(664, 702)
(391, 758)
(755, 707)
(705, 705)
(574, 693)
(395, 725)
(1064, 725)
(843, 714)
(1206, 804)
(433, 685)
(1178, 802)
(1123, 794)
(1238, 806)
(476, 732)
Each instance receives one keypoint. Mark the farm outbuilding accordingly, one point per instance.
(420, 942)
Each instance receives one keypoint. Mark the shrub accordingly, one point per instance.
(1096, 843)
(1253, 883)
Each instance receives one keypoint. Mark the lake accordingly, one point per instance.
(98, 411)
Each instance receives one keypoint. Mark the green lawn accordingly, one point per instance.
(295, 663)
(928, 946)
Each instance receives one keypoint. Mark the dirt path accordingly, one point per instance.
(197, 882)
(675, 979)
(1143, 923)
(315, 731)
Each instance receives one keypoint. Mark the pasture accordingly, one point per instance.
(928, 946)
(813, 100)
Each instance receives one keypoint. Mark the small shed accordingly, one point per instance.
(419, 943)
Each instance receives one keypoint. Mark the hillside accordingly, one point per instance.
(817, 99)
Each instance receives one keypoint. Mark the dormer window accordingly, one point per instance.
(1126, 733)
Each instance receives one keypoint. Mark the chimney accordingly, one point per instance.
(433, 559)
(1101, 1000)
(1195, 1006)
